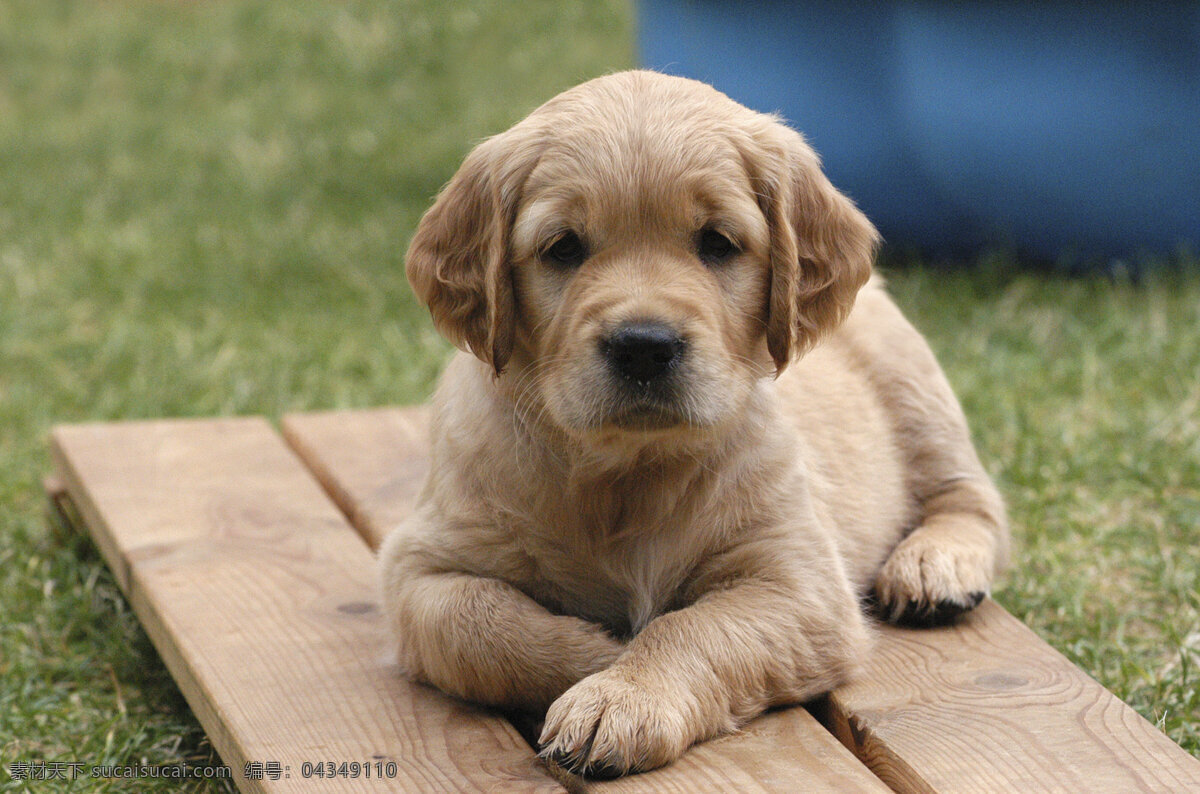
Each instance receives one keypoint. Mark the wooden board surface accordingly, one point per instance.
(986, 705)
(783, 751)
(982, 706)
(261, 600)
(373, 463)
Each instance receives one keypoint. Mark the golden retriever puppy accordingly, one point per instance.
(690, 437)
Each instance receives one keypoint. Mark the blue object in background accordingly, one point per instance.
(1060, 128)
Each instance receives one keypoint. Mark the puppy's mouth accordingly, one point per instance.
(645, 417)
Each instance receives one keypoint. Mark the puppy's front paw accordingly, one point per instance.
(606, 726)
(934, 576)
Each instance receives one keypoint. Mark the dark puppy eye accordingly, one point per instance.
(567, 251)
(714, 247)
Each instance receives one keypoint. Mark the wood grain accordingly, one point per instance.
(373, 462)
(986, 705)
(260, 599)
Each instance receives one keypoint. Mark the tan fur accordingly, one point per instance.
(655, 582)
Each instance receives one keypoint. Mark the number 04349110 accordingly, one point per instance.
(348, 769)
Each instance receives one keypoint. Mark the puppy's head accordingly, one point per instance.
(639, 251)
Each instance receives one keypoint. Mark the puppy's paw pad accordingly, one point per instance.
(926, 615)
(605, 726)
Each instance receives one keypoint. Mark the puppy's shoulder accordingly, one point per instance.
(463, 391)
(873, 309)
(876, 330)
(872, 354)
(471, 427)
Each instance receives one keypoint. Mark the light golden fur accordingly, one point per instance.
(655, 579)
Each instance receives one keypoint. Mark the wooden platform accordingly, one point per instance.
(247, 557)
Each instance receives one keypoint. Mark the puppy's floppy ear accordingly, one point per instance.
(822, 246)
(458, 261)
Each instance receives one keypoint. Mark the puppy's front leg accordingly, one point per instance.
(483, 639)
(766, 639)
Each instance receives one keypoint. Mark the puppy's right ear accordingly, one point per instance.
(458, 260)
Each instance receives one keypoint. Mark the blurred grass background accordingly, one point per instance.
(204, 208)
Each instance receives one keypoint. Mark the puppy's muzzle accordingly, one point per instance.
(642, 352)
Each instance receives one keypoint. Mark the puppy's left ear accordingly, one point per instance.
(458, 262)
(822, 246)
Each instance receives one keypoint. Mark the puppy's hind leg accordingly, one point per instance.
(946, 565)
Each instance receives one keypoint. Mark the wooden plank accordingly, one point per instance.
(983, 704)
(260, 598)
(782, 751)
(54, 488)
(61, 514)
(373, 463)
(986, 705)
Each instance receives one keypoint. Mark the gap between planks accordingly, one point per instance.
(983, 705)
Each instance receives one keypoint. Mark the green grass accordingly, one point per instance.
(203, 210)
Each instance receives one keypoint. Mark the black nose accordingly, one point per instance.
(642, 351)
